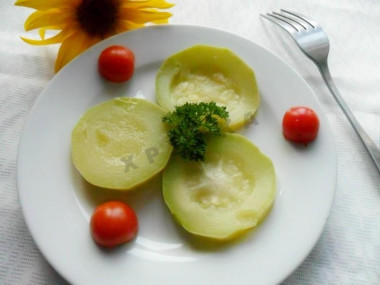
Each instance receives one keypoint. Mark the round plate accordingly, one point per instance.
(57, 203)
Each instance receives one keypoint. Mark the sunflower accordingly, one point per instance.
(82, 23)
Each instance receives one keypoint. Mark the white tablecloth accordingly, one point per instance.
(348, 251)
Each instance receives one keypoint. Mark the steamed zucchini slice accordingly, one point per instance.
(225, 195)
(120, 143)
(205, 73)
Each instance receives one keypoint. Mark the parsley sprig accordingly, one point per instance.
(190, 123)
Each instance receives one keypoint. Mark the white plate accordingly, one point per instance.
(57, 203)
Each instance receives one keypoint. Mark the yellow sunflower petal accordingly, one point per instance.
(42, 33)
(165, 21)
(143, 16)
(160, 4)
(58, 38)
(51, 17)
(127, 25)
(52, 28)
(72, 47)
(45, 4)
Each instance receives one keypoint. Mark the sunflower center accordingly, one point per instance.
(98, 17)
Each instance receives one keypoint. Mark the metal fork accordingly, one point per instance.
(314, 43)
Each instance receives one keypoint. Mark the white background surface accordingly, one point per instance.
(348, 251)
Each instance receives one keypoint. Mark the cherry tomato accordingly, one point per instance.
(300, 124)
(113, 223)
(116, 63)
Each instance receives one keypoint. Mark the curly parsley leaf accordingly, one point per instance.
(190, 123)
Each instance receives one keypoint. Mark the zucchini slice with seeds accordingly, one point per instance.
(205, 73)
(223, 196)
(121, 143)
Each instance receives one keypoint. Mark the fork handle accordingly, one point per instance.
(371, 147)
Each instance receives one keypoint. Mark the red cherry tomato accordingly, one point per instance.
(113, 223)
(116, 63)
(300, 124)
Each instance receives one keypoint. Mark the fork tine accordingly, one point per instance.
(290, 20)
(311, 22)
(286, 25)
